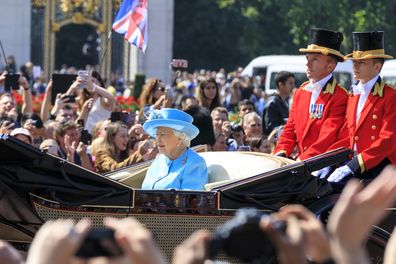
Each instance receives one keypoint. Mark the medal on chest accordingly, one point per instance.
(316, 111)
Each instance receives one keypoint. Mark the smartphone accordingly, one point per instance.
(84, 75)
(85, 137)
(60, 84)
(71, 98)
(11, 82)
(179, 64)
(99, 243)
(80, 122)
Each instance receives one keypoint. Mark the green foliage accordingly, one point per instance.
(229, 33)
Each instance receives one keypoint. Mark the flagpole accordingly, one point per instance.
(102, 56)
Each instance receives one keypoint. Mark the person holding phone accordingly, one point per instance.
(7, 102)
(95, 103)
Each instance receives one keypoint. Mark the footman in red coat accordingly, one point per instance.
(370, 126)
(319, 106)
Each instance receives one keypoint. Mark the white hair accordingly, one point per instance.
(186, 141)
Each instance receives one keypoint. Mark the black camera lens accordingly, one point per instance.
(242, 238)
(37, 123)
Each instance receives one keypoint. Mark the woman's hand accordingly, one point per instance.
(9, 255)
(194, 250)
(60, 101)
(70, 147)
(6, 127)
(316, 242)
(88, 105)
(136, 241)
(57, 241)
(356, 211)
(13, 114)
(289, 245)
(3, 77)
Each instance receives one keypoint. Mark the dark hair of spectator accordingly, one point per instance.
(97, 76)
(64, 126)
(282, 77)
(246, 102)
(203, 101)
(147, 95)
(255, 142)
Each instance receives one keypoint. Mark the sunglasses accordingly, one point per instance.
(162, 89)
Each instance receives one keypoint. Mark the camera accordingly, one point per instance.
(37, 123)
(242, 238)
(99, 243)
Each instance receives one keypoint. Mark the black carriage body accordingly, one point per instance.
(36, 187)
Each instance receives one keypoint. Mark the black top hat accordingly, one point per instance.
(325, 42)
(368, 45)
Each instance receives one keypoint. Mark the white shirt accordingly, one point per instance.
(364, 91)
(316, 87)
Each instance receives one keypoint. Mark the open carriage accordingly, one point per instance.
(37, 186)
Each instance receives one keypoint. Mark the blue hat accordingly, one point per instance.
(172, 118)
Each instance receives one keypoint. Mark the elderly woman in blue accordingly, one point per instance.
(177, 166)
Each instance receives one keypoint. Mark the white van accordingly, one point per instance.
(269, 66)
(343, 74)
(388, 72)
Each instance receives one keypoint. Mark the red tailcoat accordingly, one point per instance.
(313, 136)
(375, 132)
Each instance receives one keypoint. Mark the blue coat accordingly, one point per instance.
(187, 172)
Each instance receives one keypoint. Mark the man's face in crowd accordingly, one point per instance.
(287, 87)
(365, 70)
(252, 127)
(319, 66)
(74, 134)
(218, 119)
(6, 104)
(64, 115)
(245, 109)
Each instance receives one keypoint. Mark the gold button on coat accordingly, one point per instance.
(373, 127)
(356, 138)
(374, 116)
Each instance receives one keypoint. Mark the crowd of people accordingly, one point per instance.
(75, 125)
(228, 112)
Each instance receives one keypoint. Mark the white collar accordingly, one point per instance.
(318, 86)
(364, 88)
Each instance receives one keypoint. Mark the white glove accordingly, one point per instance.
(340, 174)
(322, 173)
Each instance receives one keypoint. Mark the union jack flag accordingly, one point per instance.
(131, 21)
